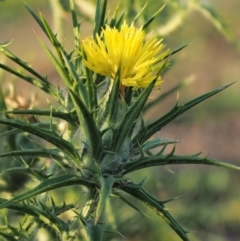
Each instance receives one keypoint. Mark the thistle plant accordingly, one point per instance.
(95, 135)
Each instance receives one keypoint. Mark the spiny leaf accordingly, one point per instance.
(39, 83)
(113, 21)
(67, 116)
(112, 103)
(56, 44)
(156, 206)
(176, 50)
(139, 13)
(78, 87)
(52, 153)
(162, 96)
(90, 86)
(76, 34)
(106, 190)
(51, 36)
(34, 211)
(157, 143)
(94, 231)
(61, 209)
(129, 95)
(58, 65)
(148, 22)
(36, 173)
(147, 131)
(48, 185)
(46, 85)
(130, 117)
(162, 160)
(119, 21)
(88, 125)
(171, 199)
(52, 217)
(51, 229)
(37, 19)
(42, 125)
(99, 16)
(49, 136)
(127, 201)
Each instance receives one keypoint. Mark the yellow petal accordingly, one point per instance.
(137, 56)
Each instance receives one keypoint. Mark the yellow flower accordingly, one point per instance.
(137, 57)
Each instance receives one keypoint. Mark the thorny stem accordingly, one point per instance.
(90, 205)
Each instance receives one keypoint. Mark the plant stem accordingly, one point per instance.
(94, 231)
(90, 204)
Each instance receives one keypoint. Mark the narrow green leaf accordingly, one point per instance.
(11, 132)
(37, 19)
(91, 87)
(67, 116)
(63, 208)
(52, 91)
(157, 143)
(59, 67)
(139, 13)
(49, 136)
(56, 44)
(162, 96)
(76, 33)
(16, 131)
(47, 185)
(106, 190)
(148, 22)
(99, 21)
(176, 50)
(112, 103)
(88, 125)
(129, 95)
(53, 153)
(146, 132)
(157, 206)
(33, 172)
(95, 232)
(78, 87)
(119, 21)
(130, 117)
(127, 201)
(47, 30)
(36, 212)
(52, 217)
(39, 83)
(113, 21)
(48, 88)
(162, 160)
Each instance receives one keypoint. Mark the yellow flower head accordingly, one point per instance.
(127, 49)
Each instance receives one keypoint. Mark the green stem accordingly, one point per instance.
(90, 204)
(94, 231)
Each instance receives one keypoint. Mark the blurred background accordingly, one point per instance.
(209, 202)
